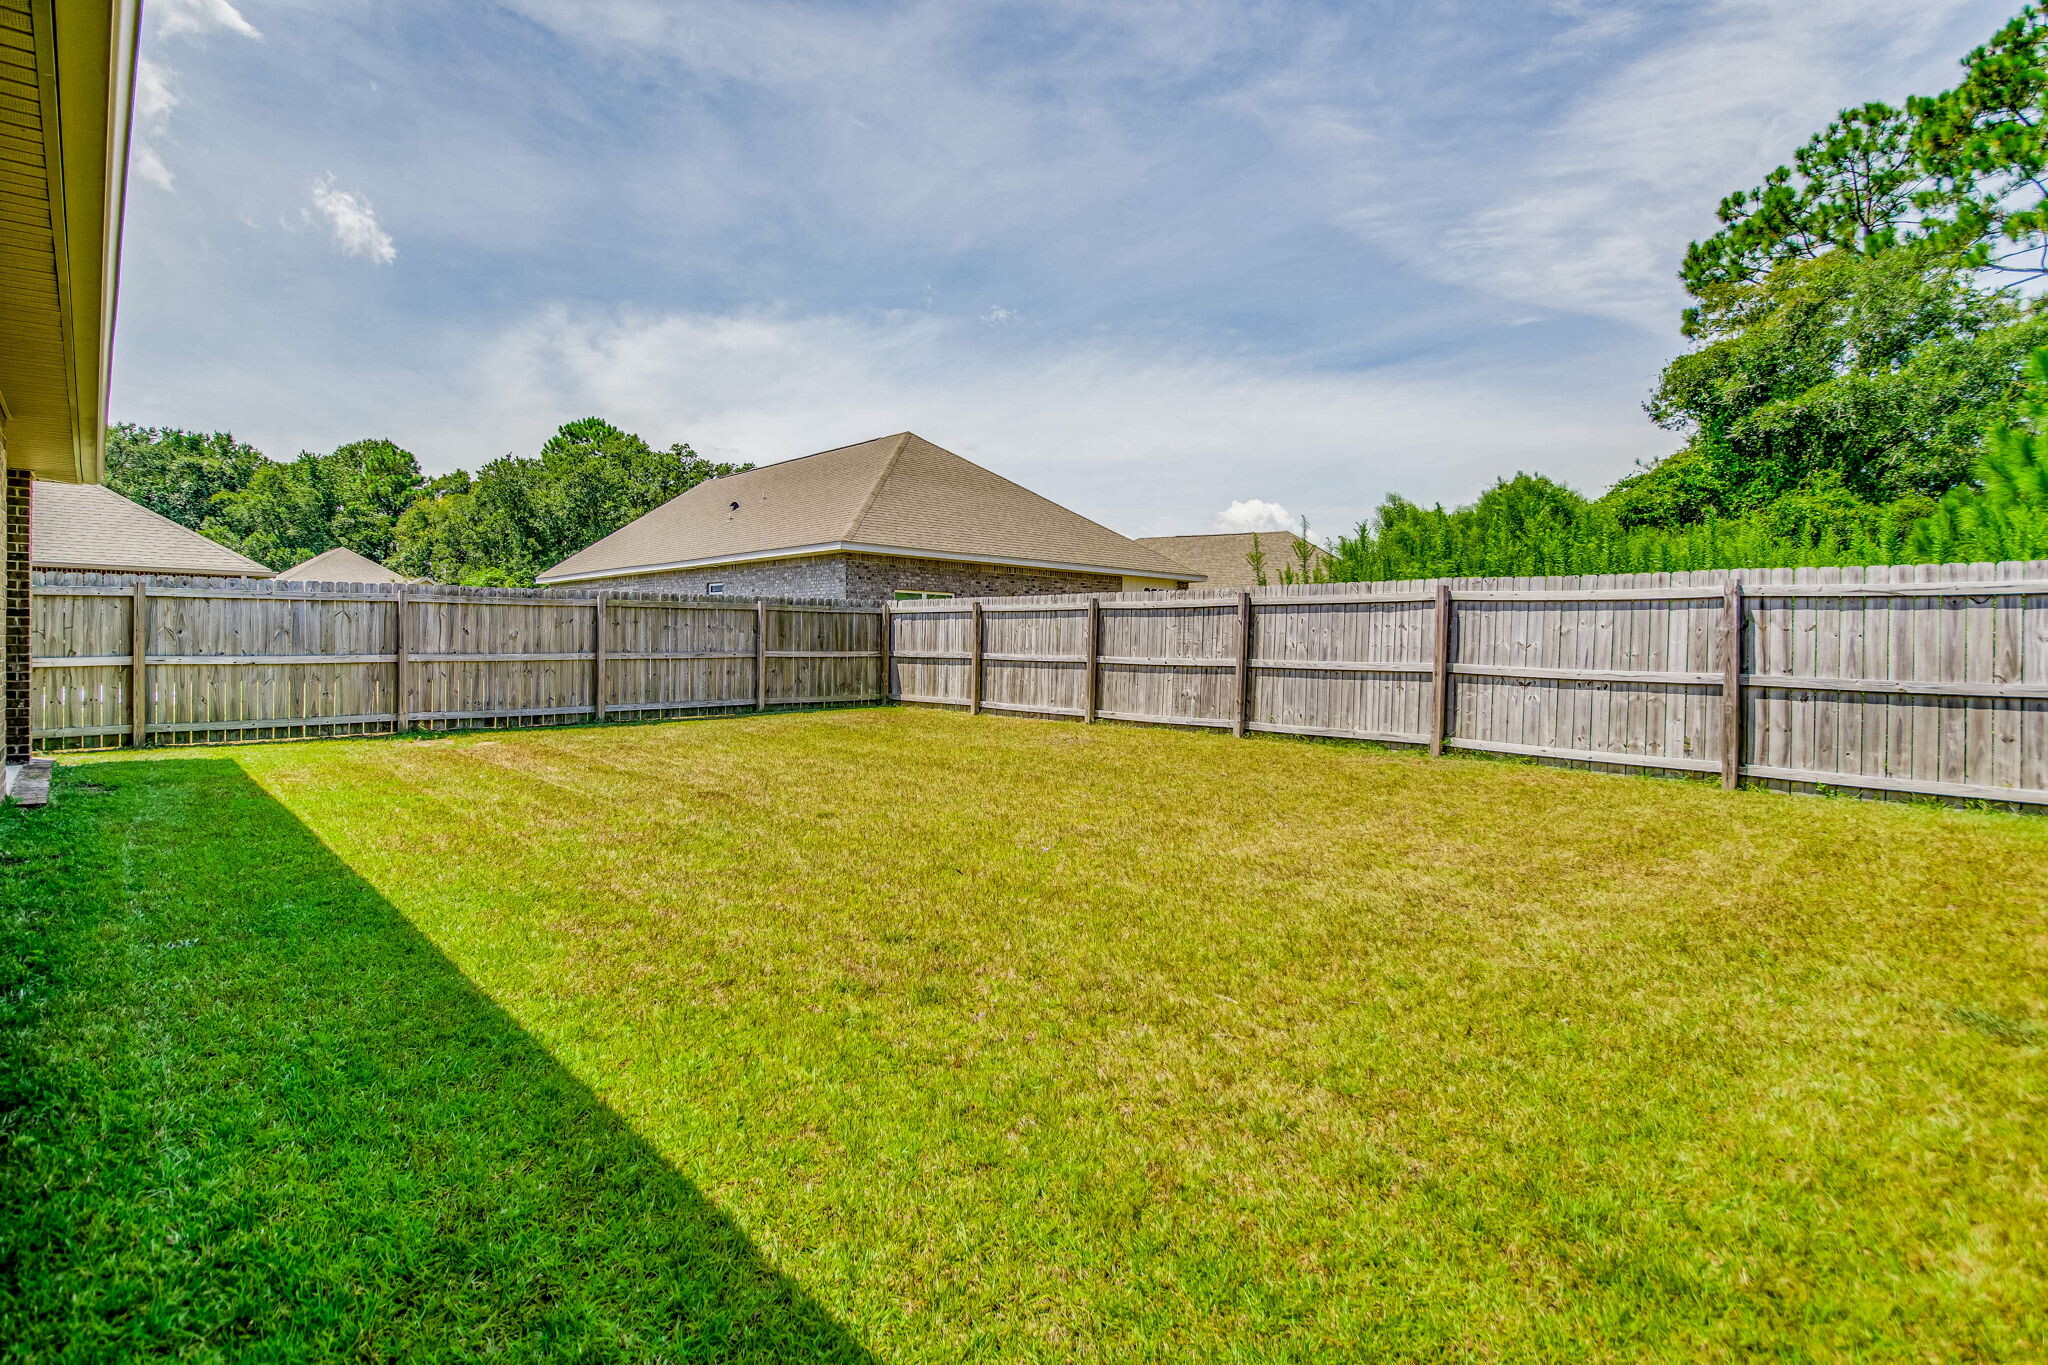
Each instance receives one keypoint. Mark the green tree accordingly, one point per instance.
(1856, 187)
(1984, 146)
(352, 497)
(519, 516)
(1862, 315)
(1876, 375)
(1960, 176)
(2002, 512)
(178, 473)
(369, 484)
(1530, 526)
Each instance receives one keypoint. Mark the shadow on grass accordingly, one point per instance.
(246, 1110)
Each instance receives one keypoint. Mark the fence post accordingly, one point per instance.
(1731, 686)
(597, 650)
(888, 620)
(1094, 682)
(401, 642)
(138, 666)
(1243, 698)
(760, 655)
(974, 659)
(1440, 672)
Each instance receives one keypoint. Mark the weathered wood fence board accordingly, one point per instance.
(1927, 679)
(251, 659)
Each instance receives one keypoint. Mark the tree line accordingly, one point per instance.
(1865, 384)
(498, 528)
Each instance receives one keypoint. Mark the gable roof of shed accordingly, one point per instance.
(340, 565)
(896, 495)
(90, 526)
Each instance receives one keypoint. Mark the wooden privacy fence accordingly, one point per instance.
(1925, 679)
(120, 660)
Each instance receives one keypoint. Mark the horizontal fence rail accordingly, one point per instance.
(1923, 679)
(123, 660)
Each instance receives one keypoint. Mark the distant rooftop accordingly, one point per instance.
(90, 526)
(1225, 559)
(896, 495)
(340, 565)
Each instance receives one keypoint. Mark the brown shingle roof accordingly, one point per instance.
(1223, 559)
(90, 526)
(900, 494)
(340, 565)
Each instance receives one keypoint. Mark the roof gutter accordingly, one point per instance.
(853, 547)
(86, 566)
(84, 57)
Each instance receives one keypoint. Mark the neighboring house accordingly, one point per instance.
(895, 517)
(88, 526)
(341, 565)
(1225, 561)
(70, 80)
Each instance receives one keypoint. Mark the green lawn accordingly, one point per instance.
(904, 1035)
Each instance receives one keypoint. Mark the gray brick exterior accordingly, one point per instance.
(872, 576)
(866, 578)
(805, 576)
(14, 616)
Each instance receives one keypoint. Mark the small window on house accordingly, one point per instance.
(911, 595)
(716, 589)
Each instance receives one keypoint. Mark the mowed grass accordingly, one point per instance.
(934, 1037)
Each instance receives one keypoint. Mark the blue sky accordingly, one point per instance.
(1178, 265)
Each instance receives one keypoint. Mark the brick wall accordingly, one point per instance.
(866, 578)
(14, 616)
(879, 576)
(803, 576)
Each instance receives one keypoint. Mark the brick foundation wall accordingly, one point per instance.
(14, 616)
(880, 576)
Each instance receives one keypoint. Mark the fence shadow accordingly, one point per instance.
(247, 1110)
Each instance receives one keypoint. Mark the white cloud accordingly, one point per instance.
(148, 162)
(997, 315)
(156, 95)
(354, 222)
(1138, 435)
(156, 82)
(1566, 170)
(946, 138)
(173, 17)
(1253, 514)
(1587, 209)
